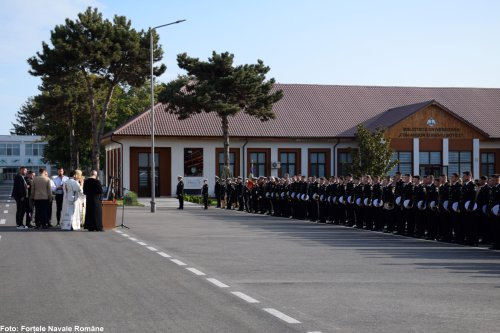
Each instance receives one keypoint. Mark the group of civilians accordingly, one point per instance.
(78, 203)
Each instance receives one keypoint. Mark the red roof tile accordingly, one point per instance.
(326, 111)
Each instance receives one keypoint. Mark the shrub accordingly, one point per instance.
(130, 199)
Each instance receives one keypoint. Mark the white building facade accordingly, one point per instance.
(21, 150)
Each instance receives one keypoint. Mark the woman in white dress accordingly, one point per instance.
(70, 214)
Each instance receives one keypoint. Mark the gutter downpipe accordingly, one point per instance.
(335, 157)
(244, 165)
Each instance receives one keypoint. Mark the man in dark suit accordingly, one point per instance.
(180, 192)
(20, 194)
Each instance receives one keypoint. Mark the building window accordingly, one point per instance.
(319, 162)
(487, 164)
(290, 162)
(258, 164)
(344, 163)
(34, 149)
(193, 162)
(430, 163)
(234, 161)
(232, 157)
(405, 165)
(459, 161)
(9, 149)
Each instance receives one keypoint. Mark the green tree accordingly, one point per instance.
(374, 153)
(106, 54)
(26, 123)
(218, 86)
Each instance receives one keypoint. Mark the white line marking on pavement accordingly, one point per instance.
(7, 206)
(118, 231)
(178, 262)
(150, 248)
(8, 200)
(142, 243)
(314, 332)
(6, 212)
(195, 271)
(217, 283)
(163, 254)
(281, 316)
(133, 239)
(245, 297)
(125, 235)
(2, 221)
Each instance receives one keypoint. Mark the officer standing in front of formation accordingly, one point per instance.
(204, 193)
(180, 192)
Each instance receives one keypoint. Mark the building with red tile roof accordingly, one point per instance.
(432, 130)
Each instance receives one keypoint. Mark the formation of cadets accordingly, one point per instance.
(460, 210)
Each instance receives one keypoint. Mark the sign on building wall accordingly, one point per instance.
(434, 123)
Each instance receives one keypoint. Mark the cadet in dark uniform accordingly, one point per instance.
(483, 198)
(240, 193)
(432, 209)
(398, 203)
(349, 191)
(378, 214)
(456, 220)
(389, 205)
(217, 191)
(468, 207)
(408, 214)
(494, 204)
(358, 199)
(342, 201)
(204, 193)
(367, 203)
(419, 207)
(445, 230)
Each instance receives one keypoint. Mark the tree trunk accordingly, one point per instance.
(226, 172)
(72, 163)
(93, 119)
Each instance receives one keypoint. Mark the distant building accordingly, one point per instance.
(21, 150)
(432, 131)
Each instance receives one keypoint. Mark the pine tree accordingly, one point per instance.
(218, 86)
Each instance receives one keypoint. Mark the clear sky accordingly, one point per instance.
(359, 42)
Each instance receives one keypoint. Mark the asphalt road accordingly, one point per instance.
(225, 271)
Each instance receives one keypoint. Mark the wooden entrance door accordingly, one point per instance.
(140, 171)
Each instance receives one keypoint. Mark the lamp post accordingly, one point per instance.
(153, 171)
